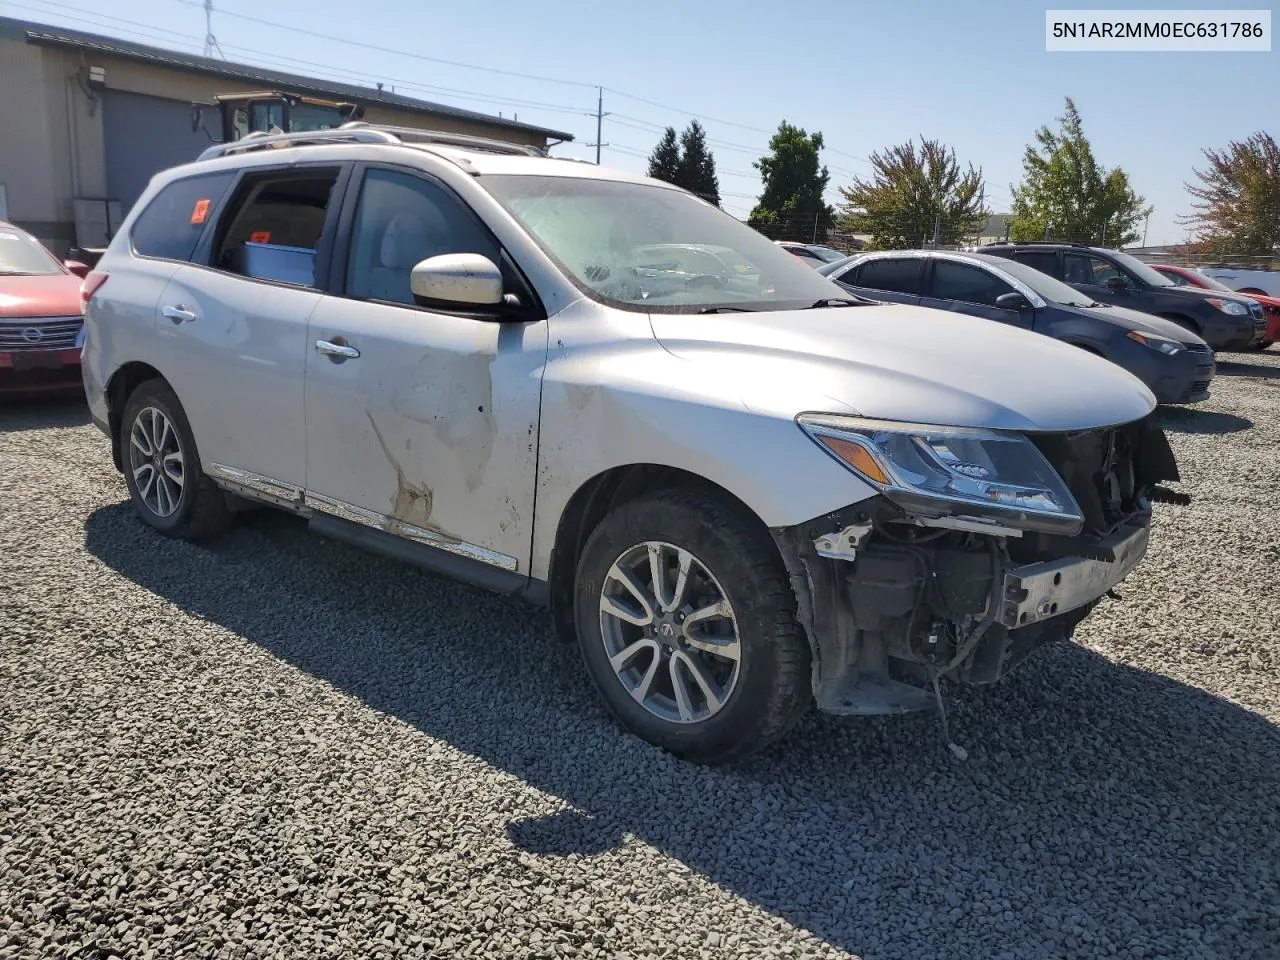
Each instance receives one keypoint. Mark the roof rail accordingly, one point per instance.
(416, 135)
(359, 132)
(1034, 243)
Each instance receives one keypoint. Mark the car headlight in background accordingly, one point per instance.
(1163, 344)
(934, 471)
(1233, 308)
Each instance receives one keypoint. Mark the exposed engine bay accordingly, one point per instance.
(892, 600)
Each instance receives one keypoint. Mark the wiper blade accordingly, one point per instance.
(725, 310)
(836, 302)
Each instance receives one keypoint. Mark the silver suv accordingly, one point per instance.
(739, 489)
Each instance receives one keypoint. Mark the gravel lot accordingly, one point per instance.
(277, 746)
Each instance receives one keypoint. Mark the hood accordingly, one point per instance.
(56, 295)
(1137, 320)
(896, 362)
(1200, 293)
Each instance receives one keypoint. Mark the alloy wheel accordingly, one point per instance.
(670, 632)
(155, 458)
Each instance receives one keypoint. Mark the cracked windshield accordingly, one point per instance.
(637, 246)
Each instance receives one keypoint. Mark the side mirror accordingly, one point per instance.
(1117, 285)
(1013, 301)
(81, 270)
(458, 280)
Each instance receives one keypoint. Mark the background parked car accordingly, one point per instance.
(1265, 282)
(814, 254)
(41, 326)
(1173, 362)
(1226, 322)
(1190, 277)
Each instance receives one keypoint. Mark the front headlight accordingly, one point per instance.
(1163, 344)
(934, 471)
(1232, 308)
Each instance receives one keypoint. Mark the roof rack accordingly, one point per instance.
(1034, 243)
(359, 132)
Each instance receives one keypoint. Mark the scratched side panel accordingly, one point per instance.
(435, 425)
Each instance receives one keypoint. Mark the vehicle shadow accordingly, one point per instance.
(1236, 368)
(1060, 818)
(42, 412)
(1191, 420)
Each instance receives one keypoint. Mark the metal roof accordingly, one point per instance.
(46, 35)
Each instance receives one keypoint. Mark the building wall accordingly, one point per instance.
(54, 149)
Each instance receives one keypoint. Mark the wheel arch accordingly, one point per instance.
(593, 500)
(1182, 320)
(121, 384)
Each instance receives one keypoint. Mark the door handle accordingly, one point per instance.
(337, 351)
(178, 314)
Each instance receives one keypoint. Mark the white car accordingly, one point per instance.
(1263, 282)
(739, 501)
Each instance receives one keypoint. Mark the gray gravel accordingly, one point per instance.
(277, 746)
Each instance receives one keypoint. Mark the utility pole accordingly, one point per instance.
(600, 115)
(1048, 228)
(817, 213)
(1144, 228)
(210, 41)
(937, 228)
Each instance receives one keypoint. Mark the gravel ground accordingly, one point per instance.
(277, 746)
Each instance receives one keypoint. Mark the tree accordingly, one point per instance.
(696, 171)
(913, 193)
(664, 162)
(1237, 202)
(1066, 194)
(791, 205)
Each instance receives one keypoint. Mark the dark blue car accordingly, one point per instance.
(1176, 364)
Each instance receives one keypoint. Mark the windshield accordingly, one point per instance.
(652, 248)
(828, 254)
(1055, 291)
(1140, 270)
(22, 255)
(1201, 280)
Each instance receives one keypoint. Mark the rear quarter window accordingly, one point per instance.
(170, 226)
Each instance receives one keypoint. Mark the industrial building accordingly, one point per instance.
(86, 120)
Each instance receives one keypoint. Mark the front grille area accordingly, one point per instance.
(1201, 348)
(39, 333)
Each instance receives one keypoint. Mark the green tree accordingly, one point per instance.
(791, 206)
(913, 192)
(696, 171)
(664, 162)
(1067, 194)
(1237, 201)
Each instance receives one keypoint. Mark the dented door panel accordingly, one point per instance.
(433, 427)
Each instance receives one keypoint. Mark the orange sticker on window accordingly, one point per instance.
(260, 236)
(200, 212)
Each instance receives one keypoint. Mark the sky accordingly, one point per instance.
(972, 73)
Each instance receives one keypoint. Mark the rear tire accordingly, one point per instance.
(744, 669)
(162, 467)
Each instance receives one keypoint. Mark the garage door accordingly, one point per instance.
(141, 136)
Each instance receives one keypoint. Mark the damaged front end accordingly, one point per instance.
(926, 580)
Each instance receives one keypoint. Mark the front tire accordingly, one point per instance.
(162, 467)
(687, 625)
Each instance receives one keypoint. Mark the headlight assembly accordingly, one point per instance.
(1163, 344)
(934, 471)
(1232, 308)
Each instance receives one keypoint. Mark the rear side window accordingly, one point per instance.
(171, 225)
(896, 275)
(1043, 261)
(274, 224)
(966, 283)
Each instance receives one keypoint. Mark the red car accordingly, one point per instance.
(1188, 277)
(41, 319)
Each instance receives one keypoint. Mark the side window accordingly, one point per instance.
(1042, 261)
(400, 220)
(961, 281)
(273, 226)
(171, 225)
(1084, 268)
(894, 274)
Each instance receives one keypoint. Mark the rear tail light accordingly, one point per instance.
(92, 281)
